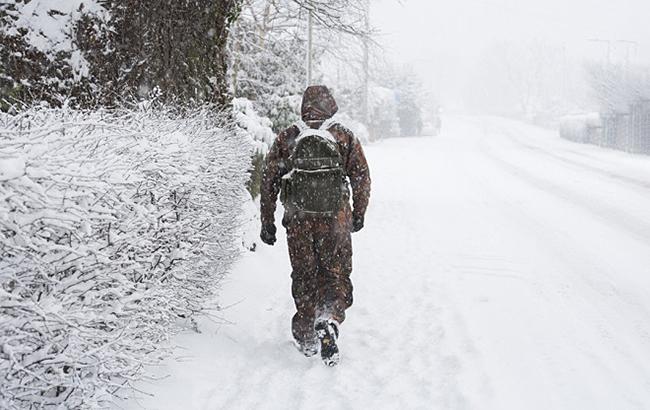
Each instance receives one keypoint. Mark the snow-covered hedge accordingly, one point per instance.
(581, 127)
(112, 225)
(262, 136)
(259, 128)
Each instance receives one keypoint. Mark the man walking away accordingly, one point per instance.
(313, 164)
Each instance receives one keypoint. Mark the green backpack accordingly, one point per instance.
(316, 183)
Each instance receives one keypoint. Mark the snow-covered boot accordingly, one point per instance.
(307, 349)
(328, 332)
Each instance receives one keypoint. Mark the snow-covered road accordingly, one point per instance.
(500, 268)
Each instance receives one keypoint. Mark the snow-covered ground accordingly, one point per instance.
(500, 268)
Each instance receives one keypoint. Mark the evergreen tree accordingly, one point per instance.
(409, 109)
(267, 59)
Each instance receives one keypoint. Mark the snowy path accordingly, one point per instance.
(501, 268)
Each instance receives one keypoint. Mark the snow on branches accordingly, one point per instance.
(112, 225)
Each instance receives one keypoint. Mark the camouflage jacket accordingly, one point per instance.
(354, 161)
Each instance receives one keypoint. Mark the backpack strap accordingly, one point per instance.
(322, 132)
(301, 125)
(329, 123)
(326, 125)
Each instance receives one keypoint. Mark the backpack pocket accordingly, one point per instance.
(318, 192)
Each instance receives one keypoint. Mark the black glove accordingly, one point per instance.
(268, 234)
(357, 223)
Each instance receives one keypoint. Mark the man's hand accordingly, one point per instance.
(357, 223)
(268, 234)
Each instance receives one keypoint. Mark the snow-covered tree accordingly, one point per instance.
(615, 87)
(268, 47)
(267, 59)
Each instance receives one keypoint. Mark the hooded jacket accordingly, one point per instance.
(318, 105)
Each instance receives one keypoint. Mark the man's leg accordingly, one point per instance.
(304, 286)
(333, 245)
(334, 252)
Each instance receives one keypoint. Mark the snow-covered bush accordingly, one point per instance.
(257, 127)
(283, 111)
(259, 130)
(112, 225)
(581, 127)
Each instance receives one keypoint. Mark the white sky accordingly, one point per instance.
(440, 36)
(413, 27)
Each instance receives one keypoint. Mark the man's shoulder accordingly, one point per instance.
(284, 139)
(341, 132)
(288, 133)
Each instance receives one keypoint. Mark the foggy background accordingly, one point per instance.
(456, 46)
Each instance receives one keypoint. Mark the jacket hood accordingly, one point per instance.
(318, 104)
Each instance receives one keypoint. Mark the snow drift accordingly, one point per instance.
(112, 225)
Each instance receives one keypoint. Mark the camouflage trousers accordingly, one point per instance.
(320, 250)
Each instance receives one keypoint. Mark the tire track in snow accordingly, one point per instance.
(602, 295)
(610, 214)
(579, 165)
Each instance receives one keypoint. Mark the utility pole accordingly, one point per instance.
(628, 43)
(310, 35)
(366, 67)
(609, 48)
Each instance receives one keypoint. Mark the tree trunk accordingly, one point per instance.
(175, 46)
(227, 13)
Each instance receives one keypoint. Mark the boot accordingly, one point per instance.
(328, 333)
